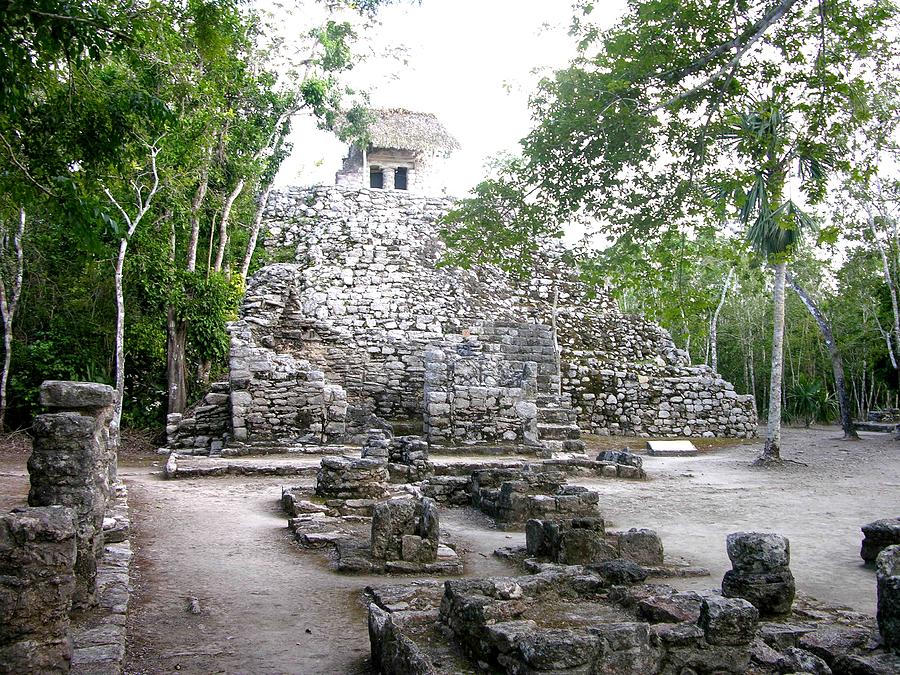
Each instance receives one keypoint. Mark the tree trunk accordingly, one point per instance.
(714, 324)
(176, 341)
(254, 230)
(8, 308)
(772, 450)
(120, 343)
(223, 224)
(194, 237)
(886, 269)
(837, 364)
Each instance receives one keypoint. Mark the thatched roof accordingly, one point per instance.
(400, 129)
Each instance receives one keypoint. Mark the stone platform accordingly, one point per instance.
(611, 625)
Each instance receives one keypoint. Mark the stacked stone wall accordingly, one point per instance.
(364, 299)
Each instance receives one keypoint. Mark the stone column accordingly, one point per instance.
(69, 466)
(37, 558)
(388, 173)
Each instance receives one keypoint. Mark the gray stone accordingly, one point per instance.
(877, 536)
(67, 395)
(616, 572)
(796, 660)
(772, 593)
(887, 575)
(405, 529)
(728, 621)
(642, 546)
(830, 643)
(757, 552)
(625, 457)
(675, 608)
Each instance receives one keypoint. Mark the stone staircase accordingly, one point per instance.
(557, 420)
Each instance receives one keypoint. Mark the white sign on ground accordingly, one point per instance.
(671, 448)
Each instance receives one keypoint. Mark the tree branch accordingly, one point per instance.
(12, 155)
(767, 21)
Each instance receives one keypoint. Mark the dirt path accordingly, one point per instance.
(268, 607)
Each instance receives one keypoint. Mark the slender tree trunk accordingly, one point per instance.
(772, 450)
(142, 207)
(837, 364)
(120, 340)
(194, 236)
(889, 280)
(714, 324)
(223, 224)
(254, 230)
(8, 306)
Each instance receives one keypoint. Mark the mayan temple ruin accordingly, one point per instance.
(361, 321)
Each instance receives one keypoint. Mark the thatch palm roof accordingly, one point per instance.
(400, 129)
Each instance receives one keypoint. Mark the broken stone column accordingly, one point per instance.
(406, 529)
(760, 571)
(69, 466)
(37, 559)
(887, 574)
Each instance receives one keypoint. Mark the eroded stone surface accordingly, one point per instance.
(37, 582)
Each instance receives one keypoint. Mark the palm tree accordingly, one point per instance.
(765, 137)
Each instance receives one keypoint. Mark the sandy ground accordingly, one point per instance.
(269, 607)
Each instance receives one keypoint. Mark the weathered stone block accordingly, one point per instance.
(757, 552)
(728, 621)
(37, 582)
(887, 574)
(643, 546)
(772, 593)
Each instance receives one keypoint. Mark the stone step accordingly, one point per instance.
(558, 432)
(552, 399)
(556, 415)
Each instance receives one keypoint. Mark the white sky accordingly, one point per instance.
(470, 62)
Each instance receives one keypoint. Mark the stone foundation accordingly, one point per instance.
(343, 478)
(205, 429)
(37, 582)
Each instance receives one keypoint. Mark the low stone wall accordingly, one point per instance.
(658, 400)
(205, 429)
(37, 582)
(529, 496)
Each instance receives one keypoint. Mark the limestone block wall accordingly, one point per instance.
(478, 399)
(657, 400)
(363, 300)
